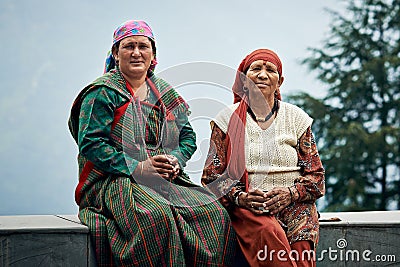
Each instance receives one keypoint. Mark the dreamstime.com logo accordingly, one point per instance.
(340, 253)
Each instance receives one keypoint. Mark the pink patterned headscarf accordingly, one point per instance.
(131, 28)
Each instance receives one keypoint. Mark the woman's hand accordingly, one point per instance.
(175, 166)
(278, 199)
(254, 201)
(166, 166)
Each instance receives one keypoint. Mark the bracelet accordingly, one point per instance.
(236, 193)
(141, 168)
(291, 195)
(237, 198)
(298, 197)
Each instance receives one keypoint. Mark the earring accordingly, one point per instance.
(245, 89)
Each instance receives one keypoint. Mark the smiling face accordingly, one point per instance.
(134, 56)
(265, 76)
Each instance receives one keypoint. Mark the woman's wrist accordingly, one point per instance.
(141, 168)
(138, 170)
(235, 196)
(291, 194)
(294, 193)
(237, 199)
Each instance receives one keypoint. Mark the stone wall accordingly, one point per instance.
(346, 239)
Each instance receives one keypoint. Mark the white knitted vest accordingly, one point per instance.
(271, 156)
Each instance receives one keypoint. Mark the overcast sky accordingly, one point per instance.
(51, 49)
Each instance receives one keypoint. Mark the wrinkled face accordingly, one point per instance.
(134, 55)
(265, 76)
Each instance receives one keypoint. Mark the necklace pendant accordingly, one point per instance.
(260, 119)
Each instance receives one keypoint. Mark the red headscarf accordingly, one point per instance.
(259, 54)
(236, 128)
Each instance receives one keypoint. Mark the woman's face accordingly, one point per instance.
(134, 55)
(265, 76)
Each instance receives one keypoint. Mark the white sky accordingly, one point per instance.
(52, 49)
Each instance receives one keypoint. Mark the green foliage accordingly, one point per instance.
(357, 123)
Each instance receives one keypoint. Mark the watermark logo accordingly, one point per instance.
(339, 253)
(343, 252)
(284, 255)
(341, 243)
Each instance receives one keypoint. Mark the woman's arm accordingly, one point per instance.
(187, 140)
(311, 185)
(94, 141)
(213, 173)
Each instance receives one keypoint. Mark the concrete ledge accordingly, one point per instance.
(359, 239)
(41, 223)
(362, 218)
(346, 239)
(44, 240)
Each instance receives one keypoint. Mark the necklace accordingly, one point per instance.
(269, 115)
(146, 98)
(143, 93)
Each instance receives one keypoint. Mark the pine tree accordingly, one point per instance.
(357, 123)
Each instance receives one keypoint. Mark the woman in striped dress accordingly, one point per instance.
(134, 138)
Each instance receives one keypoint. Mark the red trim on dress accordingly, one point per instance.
(87, 168)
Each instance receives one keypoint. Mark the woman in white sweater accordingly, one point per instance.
(264, 164)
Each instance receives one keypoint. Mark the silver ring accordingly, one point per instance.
(279, 204)
(252, 205)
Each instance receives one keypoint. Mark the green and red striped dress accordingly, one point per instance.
(134, 221)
